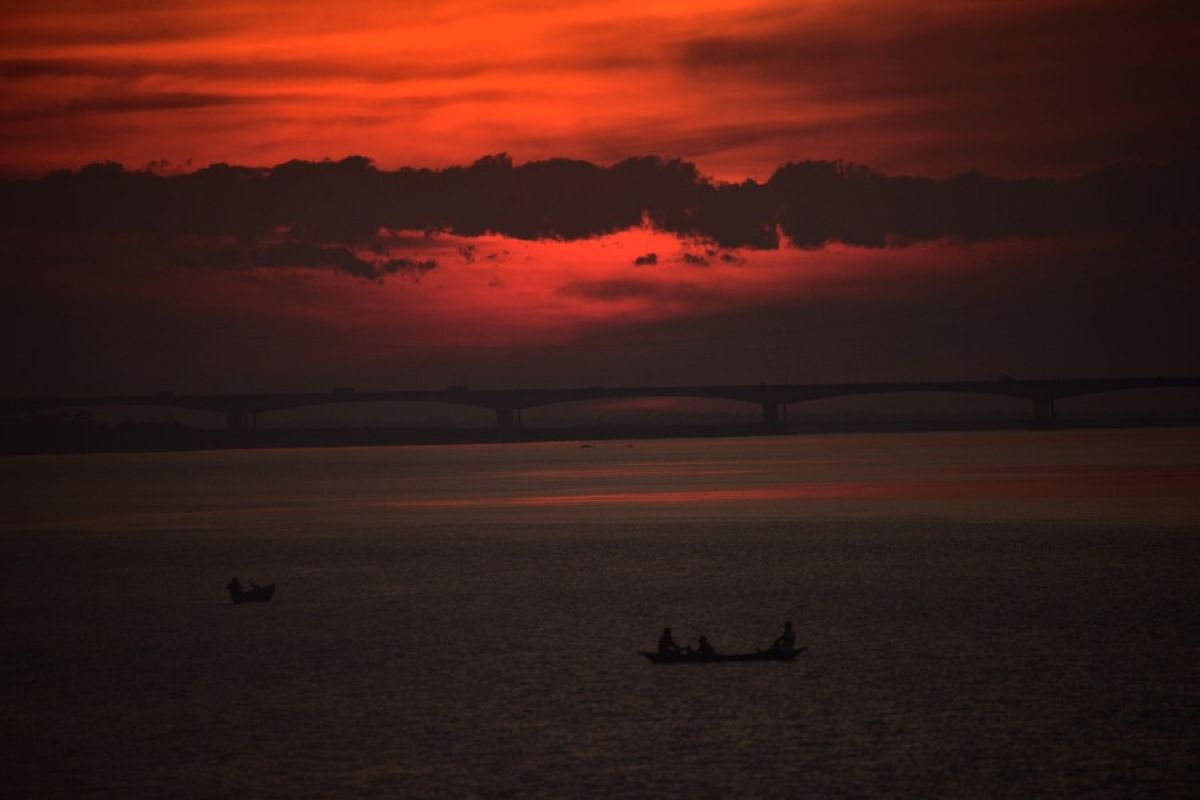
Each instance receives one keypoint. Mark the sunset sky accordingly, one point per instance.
(570, 193)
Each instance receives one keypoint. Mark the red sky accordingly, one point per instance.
(1009, 87)
(1012, 88)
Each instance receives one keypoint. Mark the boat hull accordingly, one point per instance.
(259, 594)
(693, 658)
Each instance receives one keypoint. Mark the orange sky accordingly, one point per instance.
(1005, 86)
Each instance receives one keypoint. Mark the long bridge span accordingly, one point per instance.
(242, 410)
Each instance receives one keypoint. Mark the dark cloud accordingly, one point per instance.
(105, 24)
(299, 255)
(646, 260)
(1110, 77)
(810, 204)
(414, 268)
(615, 291)
(128, 102)
(1110, 48)
(117, 254)
(237, 69)
(340, 259)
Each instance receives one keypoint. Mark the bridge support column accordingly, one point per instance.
(1043, 414)
(772, 416)
(508, 418)
(241, 419)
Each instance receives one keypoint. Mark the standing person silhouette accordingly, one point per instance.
(666, 644)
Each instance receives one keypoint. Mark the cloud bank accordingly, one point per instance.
(342, 215)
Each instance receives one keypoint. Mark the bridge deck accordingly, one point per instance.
(508, 403)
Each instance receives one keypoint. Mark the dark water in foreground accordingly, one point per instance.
(987, 614)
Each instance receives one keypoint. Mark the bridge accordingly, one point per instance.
(242, 410)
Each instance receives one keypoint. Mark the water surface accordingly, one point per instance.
(986, 614)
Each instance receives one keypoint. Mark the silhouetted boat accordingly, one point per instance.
(696, 658)
(259, 594)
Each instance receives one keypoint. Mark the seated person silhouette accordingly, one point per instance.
(786, 642)
(704, 649)
(666, 644)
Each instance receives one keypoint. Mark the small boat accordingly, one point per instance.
(259, 594)
(696, 658)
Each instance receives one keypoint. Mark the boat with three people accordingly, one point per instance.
(782, 649)
(685, 657)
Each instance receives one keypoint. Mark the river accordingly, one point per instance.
(1001, 614)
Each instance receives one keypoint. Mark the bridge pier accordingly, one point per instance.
(241, 419)
(774, 416)
(508, 418)
(1043, 414)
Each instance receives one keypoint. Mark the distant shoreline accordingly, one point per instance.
(64, 438)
